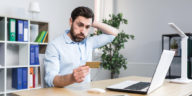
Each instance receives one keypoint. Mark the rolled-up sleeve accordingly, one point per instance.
(101, 40)
(51, 62)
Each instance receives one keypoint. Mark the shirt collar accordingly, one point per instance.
(68, 39)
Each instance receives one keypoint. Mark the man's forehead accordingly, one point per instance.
(86, 21)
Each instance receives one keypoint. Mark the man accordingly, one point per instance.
(66, 56)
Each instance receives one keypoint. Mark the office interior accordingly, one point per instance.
(147, 21)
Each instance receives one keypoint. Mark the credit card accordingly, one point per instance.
(93, 64)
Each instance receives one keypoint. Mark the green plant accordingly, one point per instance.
(174, 45)
(111, 58)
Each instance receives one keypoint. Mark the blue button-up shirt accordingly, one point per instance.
(63, 55)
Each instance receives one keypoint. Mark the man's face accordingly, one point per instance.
(80, 28)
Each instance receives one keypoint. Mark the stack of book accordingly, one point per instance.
(33, 77)
(41, 37)
(19, 78)
(18, 30)
(34, 55)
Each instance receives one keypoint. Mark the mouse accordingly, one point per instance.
(96, 90)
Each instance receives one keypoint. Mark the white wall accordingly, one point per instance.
(147, 20)
(56, 12)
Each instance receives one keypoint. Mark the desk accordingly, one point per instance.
(168, 89)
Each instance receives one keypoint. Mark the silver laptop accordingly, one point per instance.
(147, 87)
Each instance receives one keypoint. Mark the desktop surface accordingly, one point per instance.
(167, 89)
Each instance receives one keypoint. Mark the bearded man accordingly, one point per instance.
(66, 55)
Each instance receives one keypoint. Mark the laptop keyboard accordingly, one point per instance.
(138, 86)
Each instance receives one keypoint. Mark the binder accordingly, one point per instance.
(12, 29)
(31, 78)
(25, 25)
(34, 78)
(34, 30)
(24, 78)
(20, 31)
(36, 54)
(32, 55)
(17, 78)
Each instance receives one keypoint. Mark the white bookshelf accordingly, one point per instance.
(16, 54)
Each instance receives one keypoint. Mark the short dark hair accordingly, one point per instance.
(82, 11)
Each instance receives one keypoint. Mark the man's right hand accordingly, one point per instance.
(80, 73)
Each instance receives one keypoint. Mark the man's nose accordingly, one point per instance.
(83, 30)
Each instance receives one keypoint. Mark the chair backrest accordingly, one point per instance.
(42, 70)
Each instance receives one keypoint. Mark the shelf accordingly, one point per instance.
(12, 26)
(2, 94)
(2, 67)
(177, 35)
(36, 88)
(16, 42)
(9, 82)
(11, 90)
(17, 66)
(17, 54)
(172, 77)
(36, 43)
(34, 65)
(36, 27)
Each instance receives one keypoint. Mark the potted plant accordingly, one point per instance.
(174, 47)
(111, 58)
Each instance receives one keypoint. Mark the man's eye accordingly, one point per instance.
(79, 24)
(87, 27)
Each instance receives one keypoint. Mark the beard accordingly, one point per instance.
(76, 37)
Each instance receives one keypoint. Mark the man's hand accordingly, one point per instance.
(80, 73)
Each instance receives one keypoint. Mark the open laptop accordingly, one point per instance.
(147, 87)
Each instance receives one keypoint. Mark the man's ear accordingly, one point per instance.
(70, 21)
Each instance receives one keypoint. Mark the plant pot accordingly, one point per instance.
(114, 75)
(176, 51)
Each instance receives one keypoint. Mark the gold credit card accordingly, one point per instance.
(93, 64)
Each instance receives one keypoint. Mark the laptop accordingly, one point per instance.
(156, 81)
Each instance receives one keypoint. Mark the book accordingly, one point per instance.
(34, 29)
(32, 55)
(25, 25)
(24, 78)
(44, 38)
(17, 78)
(12, 29)
(43, 33)
(20, 31)
(36, 54)
(31, 77)
(40, 36)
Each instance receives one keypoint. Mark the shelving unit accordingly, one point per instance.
(16, 54)
(166, 42)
